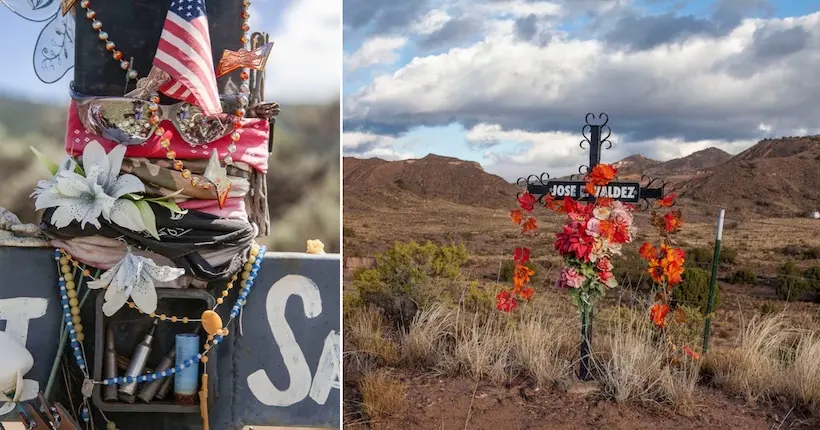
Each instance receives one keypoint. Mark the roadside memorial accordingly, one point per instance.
(153, 220)
(599, 210)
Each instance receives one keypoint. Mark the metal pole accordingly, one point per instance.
(586, 339)
(713, 284)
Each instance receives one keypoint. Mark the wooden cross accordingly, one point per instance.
(628, 192)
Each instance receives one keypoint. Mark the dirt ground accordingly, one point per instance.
(460, 403)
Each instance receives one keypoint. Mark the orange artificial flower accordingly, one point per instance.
(658, 314)
(528, 225)
(667, 201)
(517, 216)
(655, 270)
(672, 222)
(689, 352)
(590, 188)
(601, 174)
(521, 276)
(647, 251)
(527, 293)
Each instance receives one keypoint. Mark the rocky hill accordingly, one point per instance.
(697, 163)
(632, 167)
(776, 177)
(374, 181)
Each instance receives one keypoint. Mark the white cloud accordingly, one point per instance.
(559, 153)
(307, 52)
(521, 8)
(377, 50)
(704, 88)
(431, 22)
(368, 145)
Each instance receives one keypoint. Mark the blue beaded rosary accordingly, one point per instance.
(70, 303)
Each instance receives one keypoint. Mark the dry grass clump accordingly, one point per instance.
(634, 364)
(772, 359)
(427, 341)
(483, 349)
(544, 349)
(382, 395)
(368, 341)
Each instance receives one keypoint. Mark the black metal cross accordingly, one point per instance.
(628, 192)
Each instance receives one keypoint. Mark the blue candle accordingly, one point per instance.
(186, 379)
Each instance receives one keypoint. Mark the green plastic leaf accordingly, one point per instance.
(50, 165)
(78, 169)
(133, 196)
(148, 218)
(172, 206)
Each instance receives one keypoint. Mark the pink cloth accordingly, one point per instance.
(252, 148)
(234, 207)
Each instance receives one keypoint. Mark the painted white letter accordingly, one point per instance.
(327, 374)
(300, 377)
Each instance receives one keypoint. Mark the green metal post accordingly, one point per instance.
(710, 305)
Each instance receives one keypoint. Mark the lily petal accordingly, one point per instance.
(115, 298)
(94, 156)
(114, 164)
(125, 184)
(105, 279)
(65, 214)
(126, 214)
(51, 198)
(163, 273)
(144, 294)
(72, 184)
(128, 273)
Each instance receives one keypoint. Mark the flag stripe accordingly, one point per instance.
(184, 52)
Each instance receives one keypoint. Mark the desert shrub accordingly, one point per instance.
(685, 326)
(743, 277)
(630, 271)
(694, 290)
(813, 276)
(404, 278)
(702, 256)
(790, 282)
(478, 299)
(351, 302)
(801, 252)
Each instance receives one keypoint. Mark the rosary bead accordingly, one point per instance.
(71, 294)
(103, 35)
(80, 337)
(110, 45)
(68, 278)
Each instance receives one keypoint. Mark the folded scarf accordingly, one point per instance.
(184, 241)
(252, 147)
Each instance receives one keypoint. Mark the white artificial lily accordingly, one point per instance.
(85, 198)
(133, 277)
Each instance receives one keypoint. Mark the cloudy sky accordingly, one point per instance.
(303, 66)
(508, 83)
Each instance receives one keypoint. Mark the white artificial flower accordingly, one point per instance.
(84, 199)
(133, 277)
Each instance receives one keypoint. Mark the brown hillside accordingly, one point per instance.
(777, 177)
(693, 164)
(378, 182)
(634, 166)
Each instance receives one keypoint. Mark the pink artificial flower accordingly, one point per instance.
(604, 265)
(570, 278)
(594, 227)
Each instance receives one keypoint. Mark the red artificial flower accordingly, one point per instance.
(573, 239)
(601, 174)
(521, 255)
(658, 314)
(528, 225)
(517, 216)
(527, 201)
(552, 204)
(689, 352)
(505, 302)
(527, 293)
(667, 201)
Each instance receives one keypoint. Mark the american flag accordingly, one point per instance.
(184, 52)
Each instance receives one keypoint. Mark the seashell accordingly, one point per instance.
(211, 322)
(13, 358)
